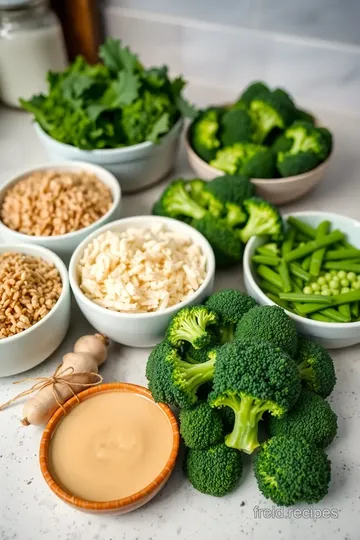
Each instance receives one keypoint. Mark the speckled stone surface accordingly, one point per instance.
(29, 511)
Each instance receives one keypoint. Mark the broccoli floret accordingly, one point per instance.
(328, 140)
(195, 189)
(311, 418)
(201, 426)
(236, 126)
(228, 159)
(269, 323)
(308, 149)
(231, 189)
(174, 381)
(305, 116)
(176, 202)
(316, 367)
(264, 219)
(269, 111)
(248, 159)
(253, 378)
(281, 94)
(234, 215)
(281, 144)
(192, 325)
(258, 162)
(253, 91)
(214, 471)
(158, 210)
(204, 134)
(228, 418)
(289, 470)
(230, 305)
(198, 356)
(226, 244)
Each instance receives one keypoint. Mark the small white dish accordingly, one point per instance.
(64, 244)
(32, 346)
(139, 329)
(137, 166)
(330, 335)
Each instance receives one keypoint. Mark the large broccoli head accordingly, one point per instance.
(269, 323)
(290, 470)
(264, 219)
(315, 366)
(309, 147)
(204, 133)
(174, 381)
(248, 159)
(192, 325)
(227, 246)
(253, 378)
(311, 418)
(230, 188)
(214, 471)
(201, 426)
(230, 305)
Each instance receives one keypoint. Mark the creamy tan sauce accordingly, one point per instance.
(110, 446)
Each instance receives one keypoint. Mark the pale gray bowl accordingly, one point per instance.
(330, 335)
(136, 167)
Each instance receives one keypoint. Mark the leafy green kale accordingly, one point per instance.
(117, 103)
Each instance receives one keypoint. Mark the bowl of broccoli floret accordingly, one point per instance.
(263, 136)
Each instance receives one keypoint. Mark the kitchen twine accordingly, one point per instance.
(57, 378)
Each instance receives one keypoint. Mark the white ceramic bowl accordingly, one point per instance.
(274, 190)
(32, 346)
(136, 167)
(139, 329)
(64, 244)
(330, 335)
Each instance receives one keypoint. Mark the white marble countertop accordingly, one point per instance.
(29, 510)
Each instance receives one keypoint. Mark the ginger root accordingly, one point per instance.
(89, 353)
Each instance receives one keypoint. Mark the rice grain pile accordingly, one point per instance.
(29, 289)
(141, 270)
(51, 203)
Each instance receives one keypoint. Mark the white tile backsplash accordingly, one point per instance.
(221, 60)
(331, 20)
(236, 12)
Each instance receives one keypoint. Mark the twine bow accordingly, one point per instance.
(59, 377)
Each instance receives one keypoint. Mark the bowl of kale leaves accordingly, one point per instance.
(264, 136)
(117, 114)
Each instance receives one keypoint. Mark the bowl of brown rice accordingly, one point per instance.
(56, 206)
(131, 276)
(34, 306)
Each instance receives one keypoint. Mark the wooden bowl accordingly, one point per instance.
(118, 506)
(275, 190)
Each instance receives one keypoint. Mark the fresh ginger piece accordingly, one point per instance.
(89, 353)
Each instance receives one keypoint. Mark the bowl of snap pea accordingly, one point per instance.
(313, 273)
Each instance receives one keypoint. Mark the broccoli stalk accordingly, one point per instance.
(248, 413)
(192, 325)
(252, 377)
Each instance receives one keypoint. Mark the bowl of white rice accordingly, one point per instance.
(132, 275)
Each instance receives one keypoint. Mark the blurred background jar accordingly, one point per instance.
(31, 44)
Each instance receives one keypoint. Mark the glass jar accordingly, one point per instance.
(31, 44)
